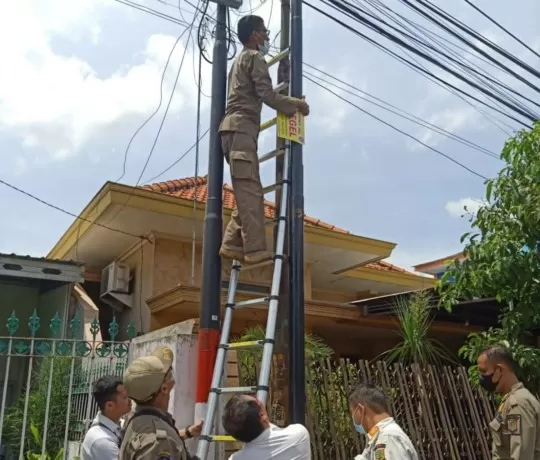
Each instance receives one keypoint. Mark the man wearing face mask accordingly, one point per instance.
(249, 87)
(151, 433)
(371, 417)
(515, 430)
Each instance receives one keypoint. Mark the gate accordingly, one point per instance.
(46, 390)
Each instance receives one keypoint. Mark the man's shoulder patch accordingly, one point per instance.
(379, 452)
(164, 455)
(513, 424)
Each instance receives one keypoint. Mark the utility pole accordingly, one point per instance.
(296, 240)
(280, 375)
(210, 307)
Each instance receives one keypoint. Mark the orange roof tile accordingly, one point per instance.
(186, 189)
(191, 188)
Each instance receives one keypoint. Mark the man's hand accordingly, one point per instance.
(303, 107)
(196, 429)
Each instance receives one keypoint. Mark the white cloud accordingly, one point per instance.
(58, 102)
(459, 208)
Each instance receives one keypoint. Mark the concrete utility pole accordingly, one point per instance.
(297, 371)
(210, 308)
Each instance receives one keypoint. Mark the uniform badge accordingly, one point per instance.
(164, 455)
(379, 452)
(513, 424)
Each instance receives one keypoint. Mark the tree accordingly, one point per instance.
(414, 317)
(503, 255)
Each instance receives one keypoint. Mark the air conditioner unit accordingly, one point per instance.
(115, 286)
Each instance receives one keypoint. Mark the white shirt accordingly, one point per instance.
(275, 443)
(389, 441)
(102, 440)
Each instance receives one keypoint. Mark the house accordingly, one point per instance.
(141, 240)
(437, 268)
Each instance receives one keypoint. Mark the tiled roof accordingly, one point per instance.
(192, 187)
(186, 189)
(41, 259)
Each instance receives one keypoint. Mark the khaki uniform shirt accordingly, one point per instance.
(249, 86)
(516, 427)
(387, 440)
(149, 437)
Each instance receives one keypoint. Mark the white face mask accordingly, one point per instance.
(264, 48)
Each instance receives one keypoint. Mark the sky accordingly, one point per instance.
(79, 78)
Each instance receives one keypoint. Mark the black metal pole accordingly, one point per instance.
(296, 249)
(213, 221)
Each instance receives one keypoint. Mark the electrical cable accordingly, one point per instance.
(422, 70)
(435, 37)
(151, 11)
(341, 7)
(448, 157)
(380, 7)
(458, 61)
(476, 35)
(122, 207)
(58, 208)
(407, 116)
(502, 27)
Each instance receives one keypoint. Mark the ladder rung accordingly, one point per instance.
(238, 390)
(242, 345)
(282, 87)
(223, 438)
(268, 124)
(247, 303)
(270, 188)
(278, 57)
(270, 155)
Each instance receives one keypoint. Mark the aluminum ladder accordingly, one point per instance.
(272, 301)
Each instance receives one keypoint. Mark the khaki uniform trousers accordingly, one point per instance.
(245, 230)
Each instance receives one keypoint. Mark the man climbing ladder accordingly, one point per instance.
(249, 86)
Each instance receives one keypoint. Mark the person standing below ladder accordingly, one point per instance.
(249, 86)
(515, 430)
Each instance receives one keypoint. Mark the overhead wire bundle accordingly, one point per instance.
(426, 49)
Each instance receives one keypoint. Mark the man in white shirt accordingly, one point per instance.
(246, 419)
(103, 439)
(371, 417)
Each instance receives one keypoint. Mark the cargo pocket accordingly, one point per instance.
(241, 165)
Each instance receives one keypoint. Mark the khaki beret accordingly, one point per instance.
(144, 376)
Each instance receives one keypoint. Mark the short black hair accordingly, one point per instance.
(501, 354)
(247, 25)
(105, 389)
(370, 395)
(242, 418)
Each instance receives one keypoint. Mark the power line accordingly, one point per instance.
(355, 15)
(502, 27)
(475, 72)
(449, 18)
(423, 70)
(407, 116)
(57, 208)
(156, 111)
(448, 157)
(151, 11)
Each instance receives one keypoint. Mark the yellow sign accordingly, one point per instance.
(291, 128)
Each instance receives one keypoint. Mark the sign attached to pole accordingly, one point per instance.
(291, 128)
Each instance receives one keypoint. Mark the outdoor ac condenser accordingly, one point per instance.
(115, 286)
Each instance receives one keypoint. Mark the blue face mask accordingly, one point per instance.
(358, 427)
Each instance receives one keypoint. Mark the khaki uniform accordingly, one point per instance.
(150, 434)
(249, 87)
(149, 437)
(387, 440)
(516, 427)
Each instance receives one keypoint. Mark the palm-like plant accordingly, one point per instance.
(416, 347)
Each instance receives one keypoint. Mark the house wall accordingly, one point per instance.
(140, 259)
